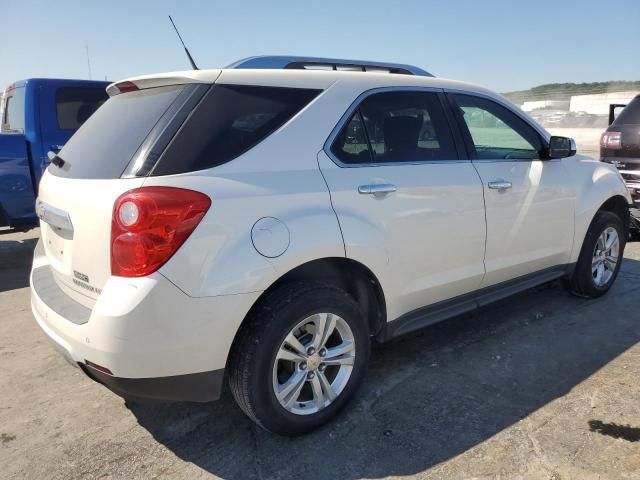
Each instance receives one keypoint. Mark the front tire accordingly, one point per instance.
(299, 357)
(601, 256)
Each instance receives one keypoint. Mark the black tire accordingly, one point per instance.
(253, 353)
(634, 220)
(582, 282)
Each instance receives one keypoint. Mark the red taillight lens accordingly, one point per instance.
(611, 140)
(148, 226)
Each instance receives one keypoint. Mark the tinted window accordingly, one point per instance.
(104, 145)
(497, 132)
(400, 127)
(351, 145)
(74, 105)
(14, 110)
(230, 120)
(630, 114)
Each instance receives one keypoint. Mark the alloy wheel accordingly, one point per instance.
(314, 363)
(605, 257)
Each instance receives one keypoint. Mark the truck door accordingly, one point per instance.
(64, 107)
(16, 188)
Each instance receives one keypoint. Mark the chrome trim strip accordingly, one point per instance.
(347, 116)
(283, 61)
(53, 216)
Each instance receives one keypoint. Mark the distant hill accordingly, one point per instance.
(562, 91)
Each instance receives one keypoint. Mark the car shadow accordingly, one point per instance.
(15, 262)
(427, 397)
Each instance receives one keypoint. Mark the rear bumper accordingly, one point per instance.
(629, 168)
(152, 339)
(194, 387)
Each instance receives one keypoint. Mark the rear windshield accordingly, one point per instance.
(13, 115)
(74, 105)
(106, 143)
(630, 114)
(230, 120)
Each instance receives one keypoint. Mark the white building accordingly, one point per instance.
(598, 104)
(546, 104)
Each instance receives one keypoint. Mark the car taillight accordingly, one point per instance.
(611, 140)
(148, 226)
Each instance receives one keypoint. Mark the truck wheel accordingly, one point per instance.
(299, 357)
(600, 257)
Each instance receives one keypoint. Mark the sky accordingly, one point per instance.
(503, 45)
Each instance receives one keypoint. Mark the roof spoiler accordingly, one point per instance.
(317, 63)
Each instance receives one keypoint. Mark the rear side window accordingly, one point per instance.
(108, 140)
(630, 115)
(230, 120)
(74, 105)
(394, 127)
(13, 115)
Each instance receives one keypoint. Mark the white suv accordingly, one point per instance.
(263, 223)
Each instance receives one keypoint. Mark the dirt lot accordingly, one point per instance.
(541, 386)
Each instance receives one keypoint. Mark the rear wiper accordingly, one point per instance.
(58, 161)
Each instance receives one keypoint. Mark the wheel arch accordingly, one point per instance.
(618, 205)
(349, 275)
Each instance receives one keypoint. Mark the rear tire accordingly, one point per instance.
(601, 256)
(299, 357)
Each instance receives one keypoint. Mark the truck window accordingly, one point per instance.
(74, 105)
(13, 118)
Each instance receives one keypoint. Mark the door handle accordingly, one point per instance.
(499, 184)
(377, 188)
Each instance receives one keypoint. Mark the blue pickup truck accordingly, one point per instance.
(37, 116)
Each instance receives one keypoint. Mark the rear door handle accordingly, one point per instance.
(377, 188)
(499, 184)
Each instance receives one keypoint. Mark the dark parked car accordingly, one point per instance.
(620, 146)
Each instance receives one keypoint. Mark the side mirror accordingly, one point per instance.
(561, 147)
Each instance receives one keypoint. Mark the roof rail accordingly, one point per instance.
(311, 63)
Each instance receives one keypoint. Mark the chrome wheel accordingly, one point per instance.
(314, 363)
(605, 257)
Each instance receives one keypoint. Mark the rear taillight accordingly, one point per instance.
(612, 140)
(124, 87)
(148, 226)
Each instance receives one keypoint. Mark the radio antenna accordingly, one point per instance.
(86, 49)
(186, 50)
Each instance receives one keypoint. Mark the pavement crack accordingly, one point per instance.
(257, 464)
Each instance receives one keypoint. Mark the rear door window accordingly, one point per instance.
(74, 105)
(396, 127)
(230, 120)
(108, 140)
(13, 114)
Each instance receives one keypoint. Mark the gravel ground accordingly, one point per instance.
(540, 386)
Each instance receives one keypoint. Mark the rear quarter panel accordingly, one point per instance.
(277, 178)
